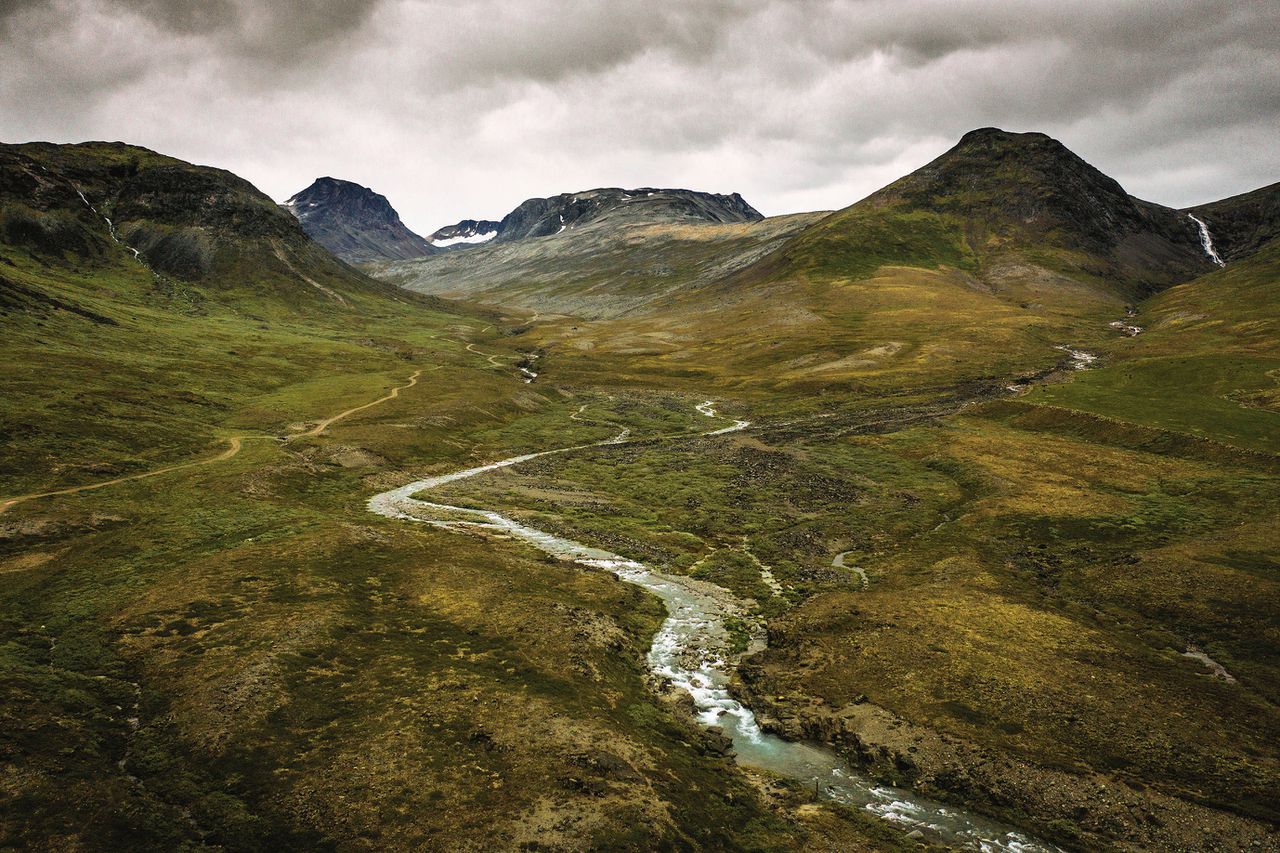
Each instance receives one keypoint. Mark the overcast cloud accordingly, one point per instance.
(463, 109)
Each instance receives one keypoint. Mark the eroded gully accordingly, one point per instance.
(692, 652)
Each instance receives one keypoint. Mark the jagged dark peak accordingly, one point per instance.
(324, 193)
(354, 222)
(997, 202)
(540, 217)
(1242, 224)
(999, 136)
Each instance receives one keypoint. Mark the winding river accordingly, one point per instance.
(692, 651)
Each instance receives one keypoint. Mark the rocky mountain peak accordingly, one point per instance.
(354, 222)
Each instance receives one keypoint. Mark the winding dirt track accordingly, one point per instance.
(234, 444)
(324, 424)
(233, 447)
(493, 359)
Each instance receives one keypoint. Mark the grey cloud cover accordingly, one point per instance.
(465, 109)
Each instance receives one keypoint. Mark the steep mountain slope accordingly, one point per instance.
(1208, 361)
(1007, 206)
(355, 223)
(197, 229)
(1242, 224)
(1018, 216)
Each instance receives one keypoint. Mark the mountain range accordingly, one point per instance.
(1013, 212)
(359, 225)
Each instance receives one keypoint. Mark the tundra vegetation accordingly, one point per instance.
(1069, 619)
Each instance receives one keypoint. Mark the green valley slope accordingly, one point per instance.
(1068, 620)
(234, 655)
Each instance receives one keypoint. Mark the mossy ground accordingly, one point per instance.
(240, 656)
(1039, 565)
(304, 674)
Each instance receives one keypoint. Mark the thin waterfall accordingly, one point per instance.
(1206, 240)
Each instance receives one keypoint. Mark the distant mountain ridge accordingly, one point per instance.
(465, 233)
(542, 217)
(1018, 214)
(546, 217)
(355, 223)
(360, 226)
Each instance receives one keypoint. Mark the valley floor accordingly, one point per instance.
(1053, 608)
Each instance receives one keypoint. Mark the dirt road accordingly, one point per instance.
(233, 447)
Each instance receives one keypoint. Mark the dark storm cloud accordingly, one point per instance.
(464, 108)
(307, 20)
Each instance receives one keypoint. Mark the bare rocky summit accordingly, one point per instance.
(355, 223)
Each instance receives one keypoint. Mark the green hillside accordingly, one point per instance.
(214, 646)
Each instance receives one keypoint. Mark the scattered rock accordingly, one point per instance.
(717, 742)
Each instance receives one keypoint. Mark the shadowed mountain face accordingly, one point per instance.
(181, 218)
(998, 199)
(1242, 224)
(355, 223)
(605, 267)
(107, 205)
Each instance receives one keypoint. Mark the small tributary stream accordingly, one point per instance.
(692, 651)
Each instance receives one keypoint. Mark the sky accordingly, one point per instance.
(463, 109)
